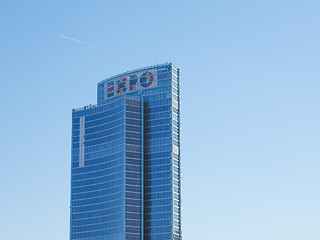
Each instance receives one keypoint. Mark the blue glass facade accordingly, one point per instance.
(125, 181)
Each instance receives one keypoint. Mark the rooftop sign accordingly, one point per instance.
(131, 82)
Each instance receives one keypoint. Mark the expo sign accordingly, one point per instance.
(130, 83)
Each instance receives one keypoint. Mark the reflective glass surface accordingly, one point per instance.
(126, 159)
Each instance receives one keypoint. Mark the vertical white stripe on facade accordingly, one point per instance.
(81, 142)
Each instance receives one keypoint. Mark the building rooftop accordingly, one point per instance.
(115, 76)
(133, 71)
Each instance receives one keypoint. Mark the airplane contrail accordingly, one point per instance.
(76, 40)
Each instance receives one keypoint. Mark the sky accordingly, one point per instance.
(250, 83)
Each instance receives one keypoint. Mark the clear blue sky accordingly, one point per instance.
(250, 81)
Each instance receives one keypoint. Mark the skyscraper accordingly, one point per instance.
(125, 179)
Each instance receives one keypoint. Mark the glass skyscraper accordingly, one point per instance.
(125, 179)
